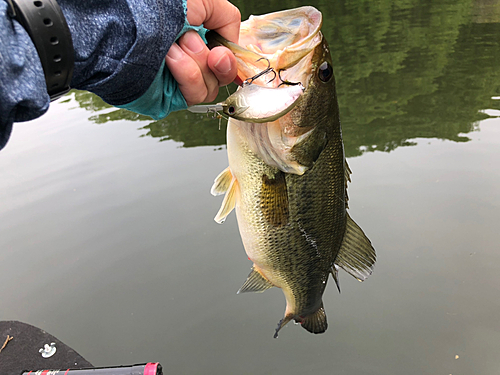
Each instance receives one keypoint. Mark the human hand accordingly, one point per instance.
(200, 71)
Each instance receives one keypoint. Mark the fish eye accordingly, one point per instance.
(231, 110)
(325, 72)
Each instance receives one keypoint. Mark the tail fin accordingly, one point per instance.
(315, 322)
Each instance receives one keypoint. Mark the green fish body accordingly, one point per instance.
(287, 179)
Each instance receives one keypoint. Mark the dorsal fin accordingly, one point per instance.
(347, 173)
(222, 182)
(356, 255)
(255, 283)
(228, 203)
(347, 178)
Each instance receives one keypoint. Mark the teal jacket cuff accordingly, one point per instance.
(164, 95)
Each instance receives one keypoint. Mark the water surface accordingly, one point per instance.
(108, 241)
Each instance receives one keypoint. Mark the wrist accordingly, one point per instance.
(44, 22)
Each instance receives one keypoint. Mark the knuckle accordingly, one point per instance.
(201, 98)
(193, 77)
(236, 14)
(198, 96)
(212, 95)
(225, 79)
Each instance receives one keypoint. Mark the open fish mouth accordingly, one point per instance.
(283, 44)
(283, 40)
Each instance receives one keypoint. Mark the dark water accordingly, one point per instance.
(107, 238)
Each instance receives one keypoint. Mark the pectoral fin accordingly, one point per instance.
(222, 182)
(357, 255)
(228, 203)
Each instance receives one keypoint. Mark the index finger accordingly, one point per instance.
(218, 15)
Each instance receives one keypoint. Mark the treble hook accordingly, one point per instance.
(250, 80)
(216, 115)
(283, 82)
(213, 112)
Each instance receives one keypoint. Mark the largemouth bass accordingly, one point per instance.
(288, 178)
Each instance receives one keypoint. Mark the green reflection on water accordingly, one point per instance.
(404, 69)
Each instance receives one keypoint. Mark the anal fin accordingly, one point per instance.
(255, 283)
(356, 255)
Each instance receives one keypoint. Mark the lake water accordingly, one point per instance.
(108, 240)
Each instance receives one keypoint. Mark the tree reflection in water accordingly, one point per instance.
(404, 69)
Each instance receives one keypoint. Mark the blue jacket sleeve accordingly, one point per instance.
(163, 95)
(120, 46)
(23, 93)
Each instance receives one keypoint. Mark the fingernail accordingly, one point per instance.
(175, 52)
(223, 65)
(194, 43)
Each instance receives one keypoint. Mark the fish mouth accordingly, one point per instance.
(283, 41)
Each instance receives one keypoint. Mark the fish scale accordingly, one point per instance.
(287, 179)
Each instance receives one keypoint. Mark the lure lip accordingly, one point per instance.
(206, 108)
